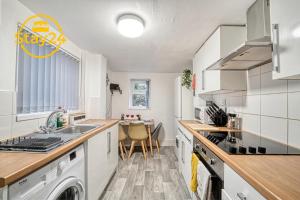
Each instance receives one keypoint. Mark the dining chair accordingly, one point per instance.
(137, 133)
(122, 138)
(155, 134)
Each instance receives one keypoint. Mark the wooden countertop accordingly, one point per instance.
(206, 127)
(15, 165)
(275, 177)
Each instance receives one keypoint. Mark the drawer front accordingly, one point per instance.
(225, 196)
(237, 188)
(186, 133)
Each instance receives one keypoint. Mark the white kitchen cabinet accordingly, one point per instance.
(225, 196)
(112, 151)
(3, 190)
(101, 161)
(235, 187)
(198, 71)
(186, 155)
(219, 44)
(285, 20)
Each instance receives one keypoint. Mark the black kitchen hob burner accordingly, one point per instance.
(30, 144)
(245, 143)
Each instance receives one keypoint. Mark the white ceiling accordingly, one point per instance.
(175, 29)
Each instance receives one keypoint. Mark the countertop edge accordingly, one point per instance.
(226, 158)
(52, 155)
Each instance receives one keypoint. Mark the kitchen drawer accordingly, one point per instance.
(225, 196)
(237, 188)
(186, 133)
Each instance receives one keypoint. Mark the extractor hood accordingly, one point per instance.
(257, 50)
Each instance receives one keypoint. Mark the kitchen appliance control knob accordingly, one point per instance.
(242, 150)
(62, 165)
(252, 150)
(232, 139)
(261, 150)
(212, 161)
(197, 146)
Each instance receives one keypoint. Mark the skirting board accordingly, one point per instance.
(169, 142)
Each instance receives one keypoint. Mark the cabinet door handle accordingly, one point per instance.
(275, 50)
(241, 196)
(182, 152)
(108, 142)
(203, 87)
(180, 130)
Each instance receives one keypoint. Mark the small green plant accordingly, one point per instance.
(186, 78)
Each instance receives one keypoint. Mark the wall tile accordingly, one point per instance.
(293, 105)
(274, 128)
(251, 104)
(254, 71)
(23, 127)
(274, 105)
(266, 68)
(253, 85)
(294, 133)
(235, 104)
(251, 123)
(14, 103)
(6, 102)
(294, 86)
(272, 86)
(5, 127)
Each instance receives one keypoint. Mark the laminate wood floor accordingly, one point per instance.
(157, 178)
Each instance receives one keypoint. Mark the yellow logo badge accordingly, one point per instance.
(40, 26)
(42, 34)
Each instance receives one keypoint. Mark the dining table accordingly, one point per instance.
(148, 124)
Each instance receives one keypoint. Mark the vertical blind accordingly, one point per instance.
(48, 83)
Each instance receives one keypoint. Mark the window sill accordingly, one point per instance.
(138, 108)
(31, 116)
(39, 115)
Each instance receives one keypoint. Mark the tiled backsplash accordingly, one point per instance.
(8, 125)
(270, 108)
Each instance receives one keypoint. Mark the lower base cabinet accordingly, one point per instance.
(185, 155)
(101, 161)
(236, 188)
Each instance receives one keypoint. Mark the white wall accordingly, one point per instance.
(12, 13)
(269, 108)
(161, 100)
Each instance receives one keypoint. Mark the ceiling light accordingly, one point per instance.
(131, 26)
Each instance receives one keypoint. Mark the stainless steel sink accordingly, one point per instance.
(78, 129)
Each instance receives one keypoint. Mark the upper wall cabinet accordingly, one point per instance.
(222, 42)
(285, 20)
(219, 44)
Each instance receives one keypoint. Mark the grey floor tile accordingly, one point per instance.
(157, 178)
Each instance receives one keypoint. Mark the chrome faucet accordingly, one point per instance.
(49, 127)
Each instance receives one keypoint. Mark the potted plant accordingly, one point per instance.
(186, 78)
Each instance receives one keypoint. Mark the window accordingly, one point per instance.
(45, 84)
(139, 94)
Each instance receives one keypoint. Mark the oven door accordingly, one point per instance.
(69, 189)
(216, 181)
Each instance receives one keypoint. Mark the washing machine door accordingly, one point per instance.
(69, 189)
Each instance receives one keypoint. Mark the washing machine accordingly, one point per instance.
(61, 179)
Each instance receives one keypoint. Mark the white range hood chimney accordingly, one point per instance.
(257, 50)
